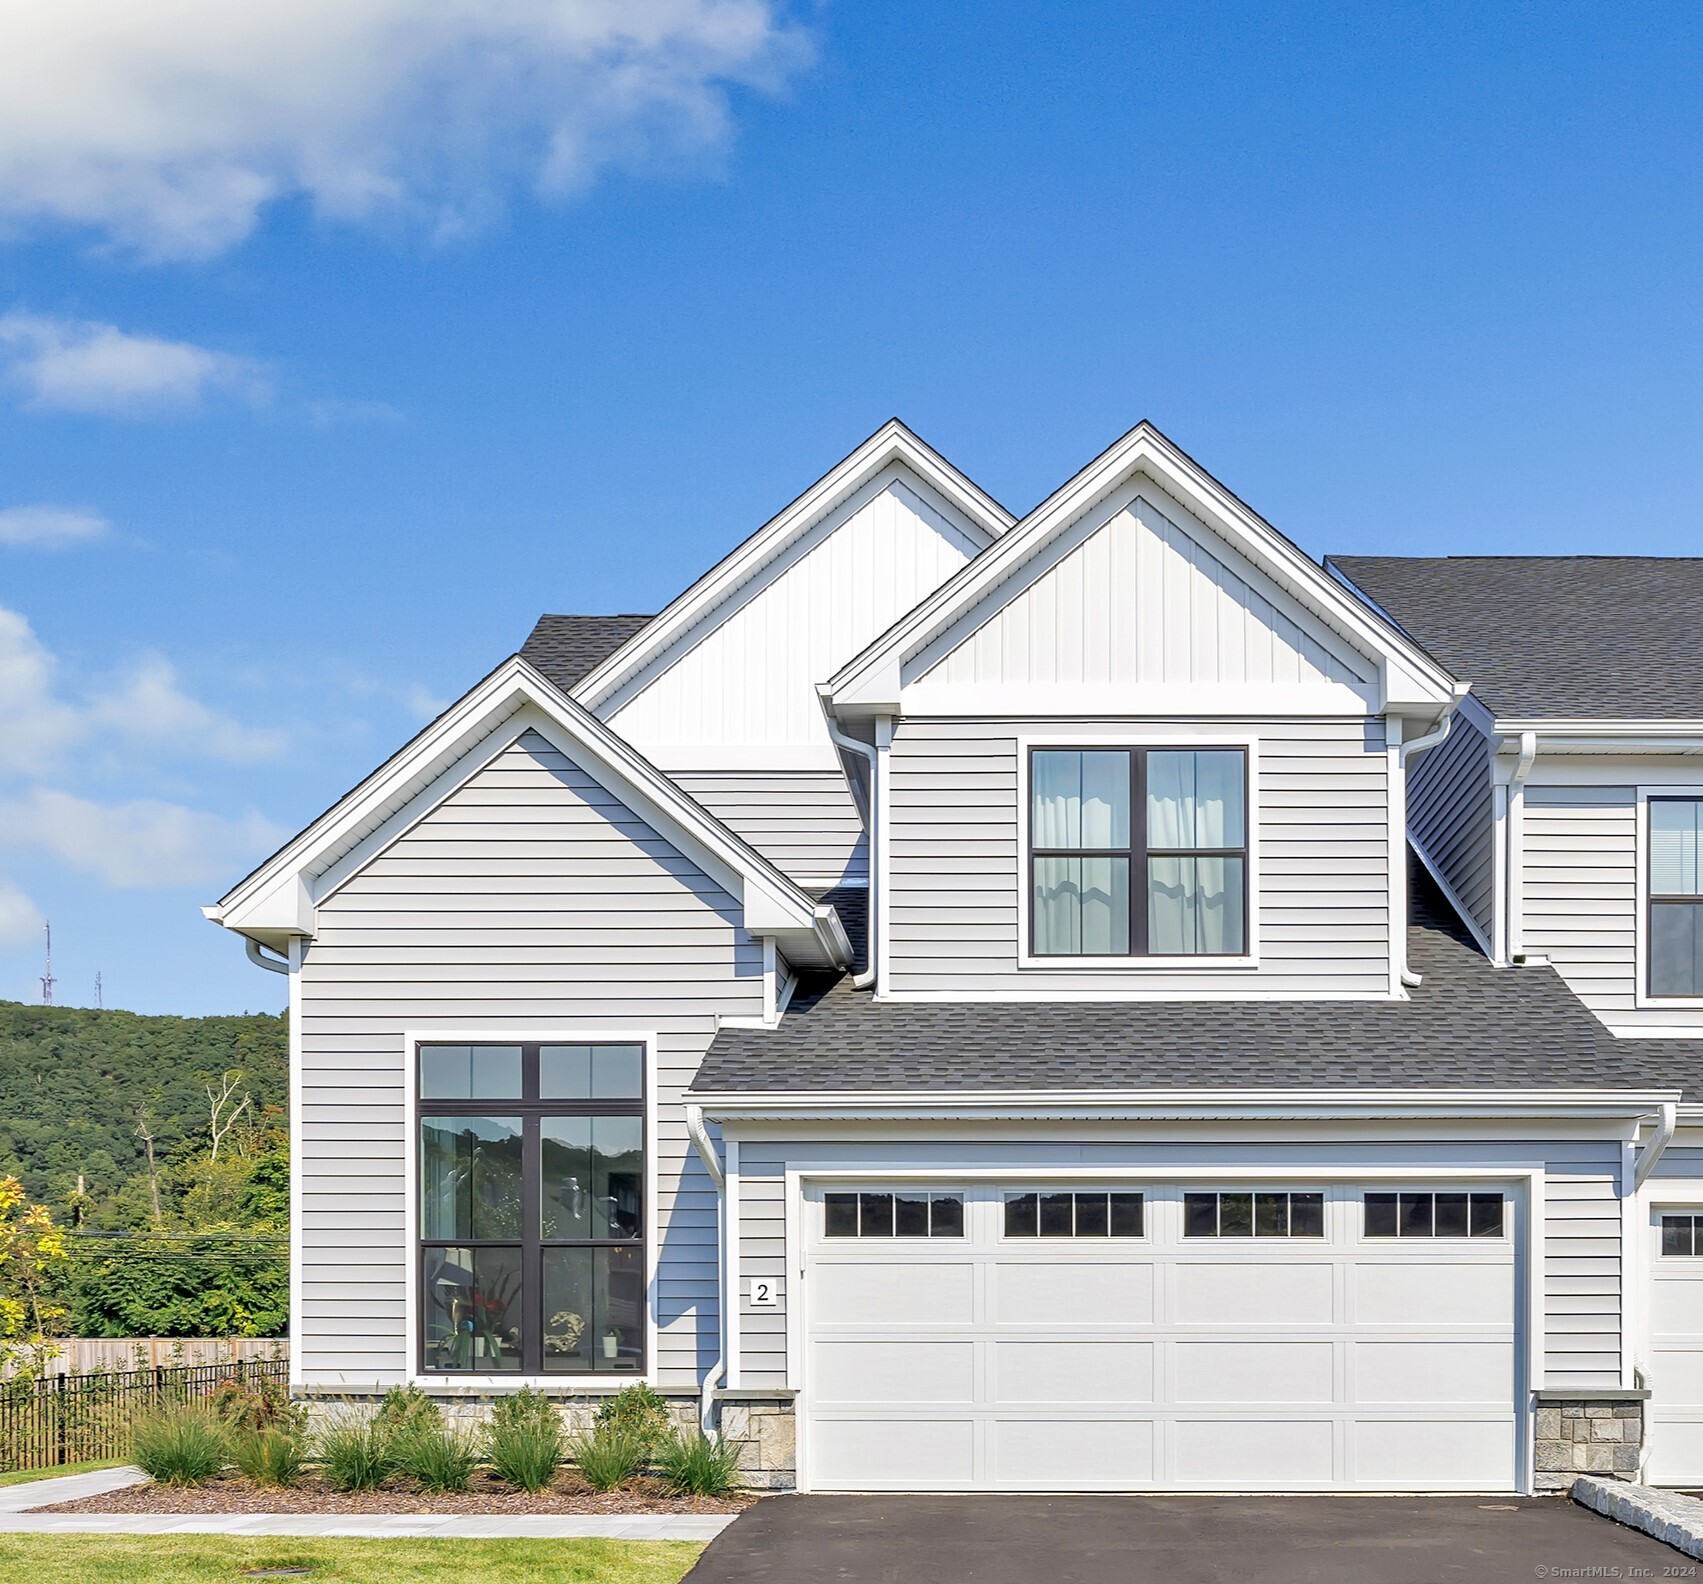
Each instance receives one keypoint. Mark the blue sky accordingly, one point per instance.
(330, 356)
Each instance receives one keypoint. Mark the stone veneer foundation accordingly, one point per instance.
(762, 1424)
(1578, 1433)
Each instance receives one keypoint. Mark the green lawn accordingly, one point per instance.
(204, 1559)
(24, 1476)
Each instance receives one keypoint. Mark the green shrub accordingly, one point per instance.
(271, 1456)
(524, 1440)
(609, 1456)
(640, 1411)
(405, 1409)
(697, 1466)
(178, 1446)
(355, 1452)
(441, 1459)
(260, 1405)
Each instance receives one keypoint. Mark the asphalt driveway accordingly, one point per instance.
(1176, 1540)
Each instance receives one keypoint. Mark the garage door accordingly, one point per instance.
(1676, 1348)
(1236, 1336)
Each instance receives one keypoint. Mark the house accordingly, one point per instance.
(1094, 1001)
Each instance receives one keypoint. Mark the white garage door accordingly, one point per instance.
(1676, 1348)
(1150, 1336)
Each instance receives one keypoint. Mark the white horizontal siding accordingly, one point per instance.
(1579, 1282)
(1452, 820)
(1322, 868)
(530, 899)
(746, 674)
(803, 821)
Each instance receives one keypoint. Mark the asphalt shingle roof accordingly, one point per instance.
(565, 649)
(1468, 1026)
(1575, 637)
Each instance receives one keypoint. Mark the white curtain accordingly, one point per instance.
(1676, 847)
(1194, 798)
(1194, 906)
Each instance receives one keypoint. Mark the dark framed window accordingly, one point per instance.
(1095, 1213)
(1682, 1235)
(532, 1208)
(1675, 923)
(1260, 1213)
(893, 1213)
(1433, 1215)
(1138, 852)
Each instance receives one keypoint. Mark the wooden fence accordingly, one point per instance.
(100, 1355)
(82, 1418)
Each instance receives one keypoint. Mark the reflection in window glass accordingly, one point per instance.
(1679, 1235)
(592, 1174)
(470, 1072)
(1092, 1213)
(470, 1177)
(473, 1314)
(591, 1072)
(594, 1307)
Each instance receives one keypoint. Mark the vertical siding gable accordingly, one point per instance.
(1141, 599)
(530, 898)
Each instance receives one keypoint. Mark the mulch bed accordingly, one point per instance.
(487, 1495)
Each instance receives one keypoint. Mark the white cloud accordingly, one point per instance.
(169, 126)
(143, 843)
(44, 527)
(20, 918)
(142, 707)
(75, 365)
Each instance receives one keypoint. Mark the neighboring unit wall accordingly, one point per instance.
(1580, 1277)
(803, 821)
(530, 899)
(1451, 819)
(1321, 865)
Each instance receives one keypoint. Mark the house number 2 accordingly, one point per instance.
(762, 1294)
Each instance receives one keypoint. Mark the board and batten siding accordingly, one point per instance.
(1451, 818)
(1579, 1283)
(529, 899)
(803, 821)
(954, 868)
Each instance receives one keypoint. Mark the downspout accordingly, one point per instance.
(1440, 729)
(1515, 842)
(706, 1149)
(258, 957)
(866, 752)
(1668, 1120)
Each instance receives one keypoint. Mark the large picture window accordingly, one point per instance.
(1676, 897)
(532, 1216)
(1138, 852)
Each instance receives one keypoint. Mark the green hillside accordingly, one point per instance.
(195, 1244)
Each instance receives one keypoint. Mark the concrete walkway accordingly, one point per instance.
(459, 1526)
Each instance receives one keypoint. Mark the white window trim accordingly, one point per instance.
(1250, 959)
(1641, 997)
(569, 1034)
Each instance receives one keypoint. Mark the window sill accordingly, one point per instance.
(1140, 965)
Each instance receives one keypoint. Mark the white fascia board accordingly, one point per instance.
(1245, 1104)
(515, 699)
(1413, 682)
(982, 515)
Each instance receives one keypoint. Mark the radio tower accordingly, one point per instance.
(100, 995)
(47, 970)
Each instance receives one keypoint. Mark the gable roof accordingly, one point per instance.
(278, 899)
(1410, 676)
(568, 648)
(1552, 637)
(979, 514)
(1468, 1025)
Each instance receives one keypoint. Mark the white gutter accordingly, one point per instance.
(1515, 841)
(706, 1149)
(1440, 729)
(1659, 1141)
(260, 960)
(867, 752)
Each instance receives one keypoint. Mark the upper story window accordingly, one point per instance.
(1138, 852)
(532, 1175)
(1676, 897)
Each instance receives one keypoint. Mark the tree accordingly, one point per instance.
(225, 1108)
(32, 1253)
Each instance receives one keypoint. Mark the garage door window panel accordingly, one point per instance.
(1434, 1215)
(898, 1213)
(1681, 1236)
(1255, 1213)
(1060, 1214)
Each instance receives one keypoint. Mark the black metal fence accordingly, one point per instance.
(85, 1418)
